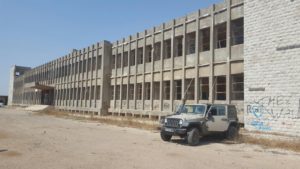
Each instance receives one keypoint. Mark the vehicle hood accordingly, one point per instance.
(187, 117)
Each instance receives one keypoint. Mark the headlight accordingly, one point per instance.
(180, 122)
(166, 120)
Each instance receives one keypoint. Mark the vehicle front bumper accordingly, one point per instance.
(174, 131)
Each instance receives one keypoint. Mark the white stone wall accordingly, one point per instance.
(272, 66)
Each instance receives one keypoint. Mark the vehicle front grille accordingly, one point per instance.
(172, 123)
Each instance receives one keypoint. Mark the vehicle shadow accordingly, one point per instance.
(206, 140)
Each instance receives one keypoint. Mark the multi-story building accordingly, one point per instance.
(199, 57)
(150, 72)
(77, 82)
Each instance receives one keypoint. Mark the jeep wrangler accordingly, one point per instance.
(193, 121)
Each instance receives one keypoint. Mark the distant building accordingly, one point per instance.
(3, 99)
(242, 53)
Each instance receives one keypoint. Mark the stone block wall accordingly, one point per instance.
(272, 66)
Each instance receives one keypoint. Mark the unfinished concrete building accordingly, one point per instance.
(147, 74)
(200, 54)
(76, 82)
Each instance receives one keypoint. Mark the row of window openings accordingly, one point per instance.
(237, 37)
(17, 97)
(28, 96)
(83, 93)
(82, 66)
(237, 89)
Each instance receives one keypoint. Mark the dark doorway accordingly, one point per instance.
(47, 97)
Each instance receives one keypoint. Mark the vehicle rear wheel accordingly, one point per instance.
(165, 137)
(232, 133)
(193, 137)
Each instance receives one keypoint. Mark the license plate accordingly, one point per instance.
(169, 129)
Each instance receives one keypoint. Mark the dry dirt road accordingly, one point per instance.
(29, 141)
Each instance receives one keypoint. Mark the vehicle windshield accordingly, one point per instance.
(191, 109)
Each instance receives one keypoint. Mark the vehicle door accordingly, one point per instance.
(218, 120)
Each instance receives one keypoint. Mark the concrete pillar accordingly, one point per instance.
(228, 51)
(122, 69)
(152, 69)
(128, 75)
(100, 51)
(68, 80)
(115, 79)
(197, 59)
(184, 59)
(135, 77)
(23, 91)
(172, 67)
(90, 78)
(105, 82)
(81, 78)
(161, 105)
(76, 79)
(86, 75)
(143, 75)
(11, 85)
(73, 78)
(95, 75)
(212, 48)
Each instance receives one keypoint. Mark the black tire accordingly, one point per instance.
(193, 137)
(232, 133)
(165, 137)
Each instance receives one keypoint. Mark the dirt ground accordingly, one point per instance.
(29, 141)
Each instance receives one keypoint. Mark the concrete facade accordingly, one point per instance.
(272, 66)
(203, 50)
(148, 73)
(16, 83)
(77, 82)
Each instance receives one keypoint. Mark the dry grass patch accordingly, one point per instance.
(147, 124)
(264, 133)
(128, 122)
(52, 112)
(112, 120)
(11, 153)
(293, 145)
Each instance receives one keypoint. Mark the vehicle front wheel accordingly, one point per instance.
(165, 137)
(193, 137)
(232, 133)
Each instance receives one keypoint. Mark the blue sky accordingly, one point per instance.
(33, 32)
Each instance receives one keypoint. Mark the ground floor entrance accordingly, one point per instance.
(47, 97)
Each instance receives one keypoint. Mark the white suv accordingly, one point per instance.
(196, 120)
